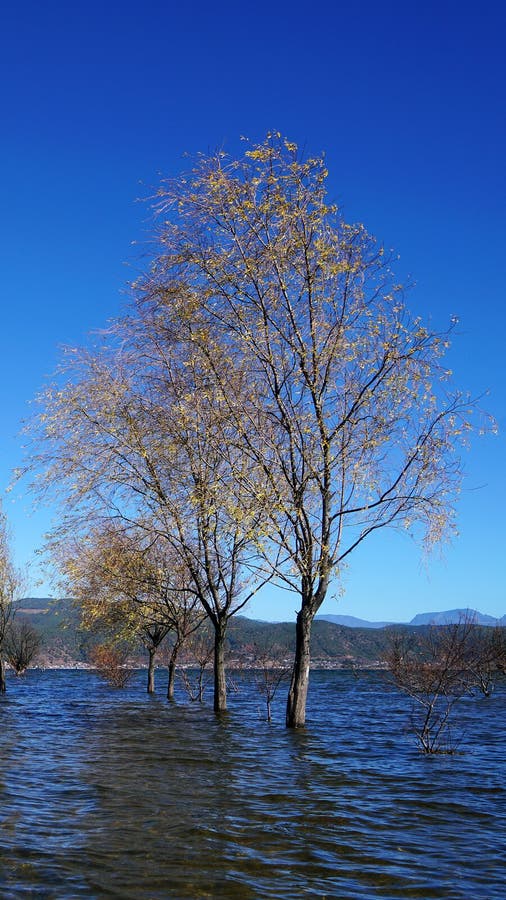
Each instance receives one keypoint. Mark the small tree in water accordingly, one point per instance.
(489, 657)
(199, 655)
(10, 584)
(110, 662)
(22, 643)
(270, 671)
(436, 669)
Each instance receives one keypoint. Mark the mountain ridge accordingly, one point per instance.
(41, 605)
(446, 617)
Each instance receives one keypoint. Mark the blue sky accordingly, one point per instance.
(407, 101)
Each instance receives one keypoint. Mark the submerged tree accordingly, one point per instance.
(210, 496)
(111, 662)
(488, 657)
(437, 668)
(198, 658)
(10, 583)
(132, 587)
(354, 427)
(270, 672)
(22, 643)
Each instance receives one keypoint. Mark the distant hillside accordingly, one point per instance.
(34, 605)
(65, 644)
(333, 644)
(57, 622)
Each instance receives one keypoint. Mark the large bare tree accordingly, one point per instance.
(356, 427)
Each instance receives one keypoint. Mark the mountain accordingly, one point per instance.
(34, 605)
(451, 616)
(448, 617)
(352, 622)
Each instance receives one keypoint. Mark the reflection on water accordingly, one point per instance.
(114, 794)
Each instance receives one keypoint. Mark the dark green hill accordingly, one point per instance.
(57, 622)
(65, 644)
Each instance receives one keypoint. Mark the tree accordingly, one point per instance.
(210, 496)
(136, 433)
(270, 671)
(436, 670)
(10, 583)
(132, 588)
(488, 656)
(199, 654)
(269, 401)
(111, 663)
(349, 416)
(22, 643)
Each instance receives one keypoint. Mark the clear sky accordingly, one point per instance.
(408, 102)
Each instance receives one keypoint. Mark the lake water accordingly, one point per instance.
(107, 793)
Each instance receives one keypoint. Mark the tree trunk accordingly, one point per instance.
(172, 671)
(297, 695)
(220, 684)
(151, 670)
(3, 686)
